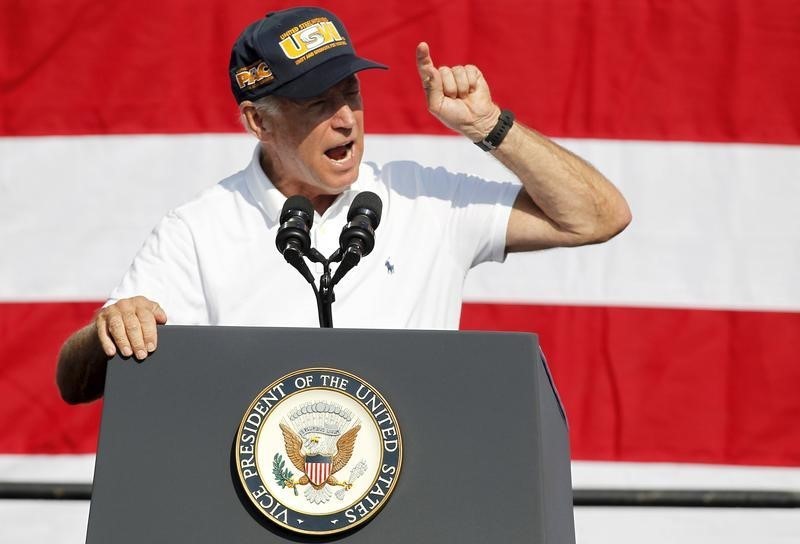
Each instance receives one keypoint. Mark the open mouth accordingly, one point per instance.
(340, 153)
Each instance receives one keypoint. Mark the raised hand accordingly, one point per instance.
(458, 96)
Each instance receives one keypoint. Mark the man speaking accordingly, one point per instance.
(212, 261)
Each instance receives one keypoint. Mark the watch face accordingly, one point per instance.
(319, 451)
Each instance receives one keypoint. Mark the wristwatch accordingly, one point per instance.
(493, 139)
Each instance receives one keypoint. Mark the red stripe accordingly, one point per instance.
(318, 472)
(705, 70)
(33, 418)
(638, 384)
(668, 385)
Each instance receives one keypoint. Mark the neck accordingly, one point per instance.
(320, 202)
(290, 187)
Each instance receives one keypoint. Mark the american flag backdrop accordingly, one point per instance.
(677, 342)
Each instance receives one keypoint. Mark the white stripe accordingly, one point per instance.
(585, 474)
(47, 468)
(45, 522)
(76, 209)
(40, 522)
(715, 225)
(685, 526)
(595, 474)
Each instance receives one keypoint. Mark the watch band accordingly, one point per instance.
(495, 137)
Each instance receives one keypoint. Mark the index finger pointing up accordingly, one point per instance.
(431, 80)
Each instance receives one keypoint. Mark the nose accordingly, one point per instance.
(344, 117)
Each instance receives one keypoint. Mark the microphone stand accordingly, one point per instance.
(358, 236)
(324, 295)
(325, 298)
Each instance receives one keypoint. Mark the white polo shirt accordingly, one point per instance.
(213, 260)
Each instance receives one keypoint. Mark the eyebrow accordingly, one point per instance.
(349, 83)
(352, 81)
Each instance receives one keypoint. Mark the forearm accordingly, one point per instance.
(81, 370)
(577, 199)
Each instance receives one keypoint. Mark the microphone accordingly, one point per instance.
(293, 239)
(358, 235)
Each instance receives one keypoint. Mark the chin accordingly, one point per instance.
(339, 182)
(339, 188)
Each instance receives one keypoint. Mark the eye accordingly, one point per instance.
(353, 95)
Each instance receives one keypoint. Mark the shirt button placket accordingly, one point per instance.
(316, 267)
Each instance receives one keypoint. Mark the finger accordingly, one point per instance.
(473, 75)
(133, 328)
(147, 319)
(427, 71)
(449, 87)
(159, 313)
(116, 328)
(150, 314)
(102, 334)
(462, 81)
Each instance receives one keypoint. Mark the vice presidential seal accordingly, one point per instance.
(319, 451)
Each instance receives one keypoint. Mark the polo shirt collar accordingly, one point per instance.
(268, 197)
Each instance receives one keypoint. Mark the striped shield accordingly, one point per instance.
(318, 468)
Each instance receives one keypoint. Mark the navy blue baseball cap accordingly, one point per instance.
(296, 53)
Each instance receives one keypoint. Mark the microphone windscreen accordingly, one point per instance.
(366, 201)
(297, 203)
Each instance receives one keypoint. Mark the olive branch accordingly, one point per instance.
(283, 476)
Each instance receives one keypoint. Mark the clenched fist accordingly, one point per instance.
(458, 96)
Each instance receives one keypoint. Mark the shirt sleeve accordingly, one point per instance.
(482, 209)
(477, 214)
(165, 270)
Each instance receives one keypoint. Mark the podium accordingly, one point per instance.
(485, 443)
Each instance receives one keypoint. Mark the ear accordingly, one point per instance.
(253, 121)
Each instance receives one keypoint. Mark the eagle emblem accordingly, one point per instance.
(333, 445)
(319, 439)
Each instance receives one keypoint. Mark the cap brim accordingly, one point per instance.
(326, 75)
